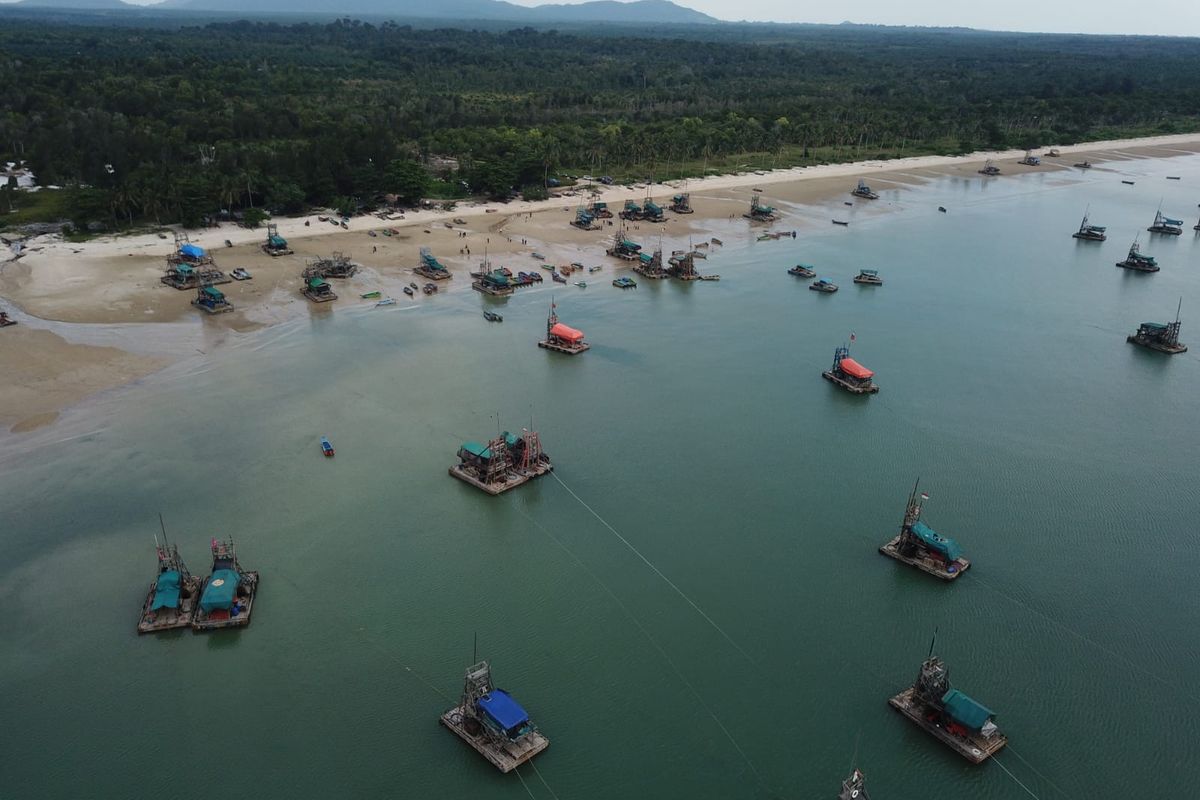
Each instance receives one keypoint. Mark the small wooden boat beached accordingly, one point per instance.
(326, 447)
(371, 295)
(717, 241)
(5, 320)
(408, 290)
(240, 274)
(1084, 165)
(228, 243)
(581, 284)
(538, 256)
(387, 301)
(594, 269)
(371, 234)
(558, 278)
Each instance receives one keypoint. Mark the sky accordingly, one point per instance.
(1162, 17)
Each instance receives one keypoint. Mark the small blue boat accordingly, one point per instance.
(326, 447)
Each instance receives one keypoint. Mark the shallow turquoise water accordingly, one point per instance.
(1061, 457)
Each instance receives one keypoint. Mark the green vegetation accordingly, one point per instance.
(155, 124)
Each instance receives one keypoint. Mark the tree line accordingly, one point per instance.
(158, 124)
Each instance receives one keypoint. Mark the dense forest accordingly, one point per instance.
(153, 123)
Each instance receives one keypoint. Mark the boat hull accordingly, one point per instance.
(974, 748)
(929, 566)
(503, 754)
(1160, 347)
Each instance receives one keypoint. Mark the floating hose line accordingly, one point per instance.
(654, 642)
(523, 783)
(657, 571)
(1009, 748)
(1016, 780)
(543, 780)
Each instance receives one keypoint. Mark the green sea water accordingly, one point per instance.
(758, 661)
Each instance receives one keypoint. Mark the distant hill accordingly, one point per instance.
(637, 11)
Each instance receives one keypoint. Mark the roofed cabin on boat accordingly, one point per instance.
(503, 463)
(954, 718)
(1137, 261)
(1160, 336)
(227, 595)
(317, 290)
(493, 722)
(849, 374)
(920, 546)
(171, 601)
(562, 338)
(864, 191)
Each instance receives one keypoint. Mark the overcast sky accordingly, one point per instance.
(1165, 17)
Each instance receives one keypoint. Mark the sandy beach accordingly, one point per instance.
(114, 281)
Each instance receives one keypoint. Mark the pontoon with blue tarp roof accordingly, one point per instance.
(920, 546)
(493, 722)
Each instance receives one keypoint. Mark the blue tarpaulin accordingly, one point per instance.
(220, 591)
(503, 710)
(940, 544)
(191, 251)
(965, 711)
(166, 591)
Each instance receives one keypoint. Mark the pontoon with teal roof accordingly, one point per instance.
(227, 594)
(920, 546)
(171, 601)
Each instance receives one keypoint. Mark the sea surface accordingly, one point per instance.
(693, 606)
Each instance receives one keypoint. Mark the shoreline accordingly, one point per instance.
(92, 314)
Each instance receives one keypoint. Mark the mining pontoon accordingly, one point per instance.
(682, 266)
(849, 374)
(191, 267)
(430, 267)
(649, 265)
(1160, 336)
(631, 211)
(803, 271)
(599, 210)
(760, 213)
(864, 191)
(504, 463)
(584, 220)
(171, 601)
(623, 248)
(651, 212)
(212, 301)
(989, 168)
(920, 546)
(493, 722)
(823, 286)
(1166, 225)
(868, 277)
(227, 595)
(317, 290)
(275, 245)
(1092, 233)
(1030, 160)
(1137, 261)
(681, 203)
(854, 787)
(562, 338)
(336, 266)
(961, 723)
(495, 283)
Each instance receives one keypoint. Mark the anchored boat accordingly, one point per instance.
(624, 282)
(955, 719)
(849, 374)
(326, 448)
(493, 722)
(504, 463)
(823, 285)
(864, 191)
(868, 277)
(171, 601)
(1137, 261)
(227, 595)
(920, 546)
(1160, 336)
(1092, 233)
(560, 337)
(989, 168)
(1166, 225)
(803, 271)
(854, 787)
